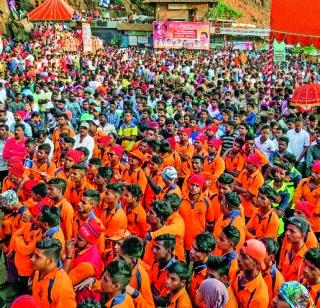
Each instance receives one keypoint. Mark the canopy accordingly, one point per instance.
(296, 21)
(307, 95)
(56, 10)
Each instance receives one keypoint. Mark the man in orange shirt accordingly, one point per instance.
(56, 190)
(231, 217)
(202, 247)
(42, 168)
(169, 176)
(114, 282)
(63, 127)
(85, 211)
(176, 284)
(78, 185)
(249, 286)
(163, 250)
(309, 190)
(85, 261)
(194, 209)
(185, 150)
(293, 254)
(136, 214)
(66, 144)
(271, 275)
(200, 145)
(234, 158)
(139, 286)
(135, 174)
(92, 170)
(102, 145)
(115, 154)
(175, 155)
(72, 158)
(155, 184)
(248, 183)
(264, 221)
(213, 162)
(218, 268)
(226, 243)
(51, 286)
(113, 216)
(197, 168)
(311, 274)
(49, 222)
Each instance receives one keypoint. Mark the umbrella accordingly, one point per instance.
(307, 95)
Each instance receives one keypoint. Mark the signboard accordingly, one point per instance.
(133, 40)
(279, 52)
(179, 34)
(143, 40)
(241, 31)
(243, 45)
(86, 37)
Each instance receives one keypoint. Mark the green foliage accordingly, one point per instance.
(223, 11)
(25, 5)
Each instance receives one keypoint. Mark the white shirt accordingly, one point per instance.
(48, 141)
(87, 142)
(266, 147)
(297, 142)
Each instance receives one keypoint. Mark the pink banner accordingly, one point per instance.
(179, 34)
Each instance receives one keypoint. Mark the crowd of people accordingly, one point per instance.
(157, 178)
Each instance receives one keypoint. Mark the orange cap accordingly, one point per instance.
(254, 249)
(137, 154)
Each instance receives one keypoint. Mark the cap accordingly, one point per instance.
(187, 131)
(9, 198)
(254, 249)
(137, 154)
(95, 122)
(104, 140)
(254, 159)
(201, 138)
(28, 185)
(118, 149)
(75, 155)
(306, 207)
(216, 143)
(118, 235)
(20, 113)
(172, 142)
(212, 128)
(316, 166)
(196, 179)
(84, 124)
(25, 301)
(298, 222)
(169, 174)
(91, 231)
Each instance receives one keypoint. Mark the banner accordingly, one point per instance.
(179, 34)
(241, 31)
(86, 37)
(279, 52)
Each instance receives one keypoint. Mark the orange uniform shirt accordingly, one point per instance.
(75, 193)
(47, 167)
(215, 167)
(314, 292)
(290, 265)
(174, 225)
(304, 192)
(234, 163)
(149, 194)
(171, 189)
(263, 225)
(141, 282)
(57, 132)
(67, 214)
(6, 231)
(232, 303)
(185, 165)
(252, 182)
(23, 243)
(253, 294)
(114, 220)
(180, 300)
(136, 177)
(54, 290)
(233, 218)
(123, 300)
(197, 215)
(137, 221)
(274, 279)
(198, 275)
